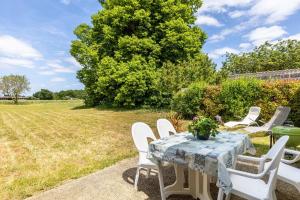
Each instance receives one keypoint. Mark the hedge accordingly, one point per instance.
(233, 98)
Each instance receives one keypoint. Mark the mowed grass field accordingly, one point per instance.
(43, 144)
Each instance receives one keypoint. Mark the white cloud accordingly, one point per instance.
(245, 45)
(263, 34)
(236, 14)
(225, 32)
(15, 62)
(274, 10)
(222, 5)
(58, 79)
(47, 73)
(294, 37)
(16, 48)
(207, 20)
(217, 53)
(73, 62)
(66, 2)
(56, 67)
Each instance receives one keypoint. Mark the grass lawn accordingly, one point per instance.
(45, 143)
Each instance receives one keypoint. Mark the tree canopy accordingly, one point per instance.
(44, 94)
(14, 86)
(267, 57)
(129, 41)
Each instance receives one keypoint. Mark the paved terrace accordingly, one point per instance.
(116, 183)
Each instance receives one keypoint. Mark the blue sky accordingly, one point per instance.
(35, 35)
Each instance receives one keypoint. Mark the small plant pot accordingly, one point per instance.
(202, 137)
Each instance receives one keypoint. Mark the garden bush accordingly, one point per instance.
(187, 101)
(238, 95)
(234, 98)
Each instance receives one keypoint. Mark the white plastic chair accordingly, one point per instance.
(251, 117)
(251, 186)
(164, 128)
(140, 134)
(290, 174)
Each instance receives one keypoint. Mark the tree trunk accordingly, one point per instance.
(16, 98)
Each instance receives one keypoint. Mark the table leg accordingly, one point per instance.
(199, 184)
(178, 186)
(161, 182)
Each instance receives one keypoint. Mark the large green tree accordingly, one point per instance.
(267, 57)
(128, 41)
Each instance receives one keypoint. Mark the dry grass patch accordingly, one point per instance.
(45, 143)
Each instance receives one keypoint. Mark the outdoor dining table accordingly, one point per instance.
(203, 158)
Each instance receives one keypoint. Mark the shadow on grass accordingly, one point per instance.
(121, 109)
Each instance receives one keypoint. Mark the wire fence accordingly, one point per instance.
(289, 74)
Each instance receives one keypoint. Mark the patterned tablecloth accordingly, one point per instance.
(212, 156)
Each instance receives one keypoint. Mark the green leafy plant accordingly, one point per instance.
(203, 127)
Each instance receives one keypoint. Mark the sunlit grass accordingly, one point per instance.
(43, 144)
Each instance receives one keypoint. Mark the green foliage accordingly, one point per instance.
(174, 77)
(203, 127)
(44, 94)
(295, 106)
(211, 104)
(127, 44)
(277, 93)
(267, 57)
(233, 98)
(187, 102)
(238, 95)
(14, 86)
(69, 94)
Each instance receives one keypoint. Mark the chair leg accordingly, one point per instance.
(220, 194)
(137, 177)
(148, 172)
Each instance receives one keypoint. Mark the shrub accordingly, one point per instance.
(280, 93)
(295, 106)
(235, 97)
(187, 101)
(211, 104)
(238, 95)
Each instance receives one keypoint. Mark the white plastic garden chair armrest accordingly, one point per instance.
(250, 158)
(261, 161)
(296, 156)
(245, 174)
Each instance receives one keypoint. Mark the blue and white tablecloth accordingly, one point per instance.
(212, 156)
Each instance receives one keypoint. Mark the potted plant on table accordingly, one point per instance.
(202, 128)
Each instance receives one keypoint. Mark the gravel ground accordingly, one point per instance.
(116, 183)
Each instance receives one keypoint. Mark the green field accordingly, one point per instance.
(43, 144)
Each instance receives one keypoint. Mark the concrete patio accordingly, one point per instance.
(116, 183)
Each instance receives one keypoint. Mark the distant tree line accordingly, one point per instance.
(266, 57)
(45, 94)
